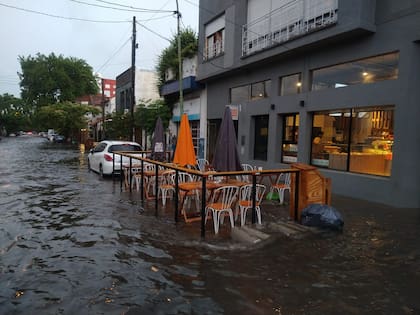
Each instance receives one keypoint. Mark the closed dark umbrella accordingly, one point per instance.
(158, 141)
(226, 156)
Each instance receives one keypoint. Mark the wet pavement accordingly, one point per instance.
(71, 242)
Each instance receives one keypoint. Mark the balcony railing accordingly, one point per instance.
(294, 19)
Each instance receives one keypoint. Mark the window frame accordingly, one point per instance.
(360, 71)
(346, 154)
(298, 84)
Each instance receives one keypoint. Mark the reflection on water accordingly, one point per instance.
(72, 242)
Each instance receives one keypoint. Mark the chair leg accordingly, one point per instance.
(232, 224)
(163, 197)
(243, 215)
(258, 210)
(281, 195)
(216, 218)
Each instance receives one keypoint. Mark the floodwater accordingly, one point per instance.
(73, 243)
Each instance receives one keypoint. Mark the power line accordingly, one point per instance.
(119, 9)
(152, 31)
(135, 8)
(58, 16)
(113, 55)
(152, 17)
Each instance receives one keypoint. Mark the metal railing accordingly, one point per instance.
(294, 19)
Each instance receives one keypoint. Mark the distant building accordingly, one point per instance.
(145, 85)
(194, 104)
(331, 83)
(105, 100)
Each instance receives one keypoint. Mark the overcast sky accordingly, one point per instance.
(104, 46)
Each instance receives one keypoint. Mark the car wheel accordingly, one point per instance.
(101, 171)
(89, 168)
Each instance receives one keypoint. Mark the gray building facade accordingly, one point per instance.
(331, 83)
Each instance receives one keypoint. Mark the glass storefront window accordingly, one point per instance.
(363, 71)
(260, 90)
(239, 95)
(291, 84)
(355, 140)
(261, 137)
(254, 91)
(290, 138)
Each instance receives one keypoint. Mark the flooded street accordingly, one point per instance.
(73, 243)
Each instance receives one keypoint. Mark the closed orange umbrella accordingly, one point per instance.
(184, 151)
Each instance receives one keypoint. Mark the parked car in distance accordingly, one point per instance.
(58, 138)
(101, 157)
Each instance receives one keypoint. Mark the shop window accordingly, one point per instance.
(290, 138)
(261, 137)
(355, 140)
(363, 71)
(291, 84)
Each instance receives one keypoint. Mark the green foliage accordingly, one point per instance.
(65, 118)
(146, 115)
(51, 79)
(14, 114)
(169, 57)
(118, 126)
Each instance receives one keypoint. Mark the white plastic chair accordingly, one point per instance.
(202, 164)
(245, 178)
(282, 184)
(186, 196)
(167, 186)
(222, 202)
(245, 201)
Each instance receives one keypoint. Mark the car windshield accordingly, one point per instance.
(124, 147)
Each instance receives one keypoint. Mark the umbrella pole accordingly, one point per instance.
(156, 188)
(254, 193)
(141, 183)
(176, 195)
(203, 206)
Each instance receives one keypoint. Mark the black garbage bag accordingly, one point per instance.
(322, 216)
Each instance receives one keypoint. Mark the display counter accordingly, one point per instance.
(367, 163)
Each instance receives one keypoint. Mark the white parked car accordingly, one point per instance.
(102, 160)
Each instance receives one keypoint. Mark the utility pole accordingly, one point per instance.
(103, 109)
(181, 92)
(133, 78)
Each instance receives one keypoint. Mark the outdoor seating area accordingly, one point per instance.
(223, 189)
(227, 197)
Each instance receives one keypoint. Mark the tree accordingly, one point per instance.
(146, 115)
(14, 114)
(65, 118)
(47, 80)
(169, 57)
(118, 126)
